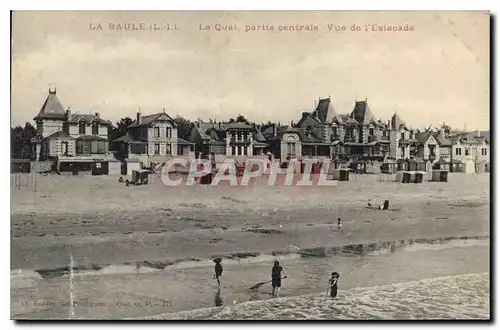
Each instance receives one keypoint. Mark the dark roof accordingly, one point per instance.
(362, 113)
(59, 134)
(325, 111)
(351, 121)
(259, 144)
(237, 126)
(127, 138)
(259, 137)
(88, 118)
(421, 137)
(442, 141)
(308, 119)
(91, 138)
(182, 141)
(51, 108)
(149, 119)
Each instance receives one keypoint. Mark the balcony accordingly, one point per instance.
(242, 141)
(432, 157)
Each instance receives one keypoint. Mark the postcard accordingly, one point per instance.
(250, 165)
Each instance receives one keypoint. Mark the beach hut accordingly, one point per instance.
(441, 164)
(140, 176)
(456, 166)
(417, 177)
(388, 167)
(207, 179)
(412, 165)
(403, 165)
(403, 177)
(358, 166)
(342, 174)
(440, 176)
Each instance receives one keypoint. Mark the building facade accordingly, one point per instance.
(69, 139)
(153, 138)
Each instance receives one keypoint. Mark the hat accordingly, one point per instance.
(217, 260)
(276, 263)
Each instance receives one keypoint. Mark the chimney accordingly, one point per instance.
(304, 114)
(138, 119)
(291, 123)
(220, 126)
(68, 113)
(478, 133)
(441, 133)
(97, 115)
(275, 130)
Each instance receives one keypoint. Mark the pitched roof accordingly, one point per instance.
(442, 161)
(421, 137)
(182, 141)
(91, 138)
(127, 138)
(88, 118)
(51, 108)
(308, 119)
(59, 134)
(362, 113)
(237, 126)
(442, 141)
(149, 119)
(325, 111)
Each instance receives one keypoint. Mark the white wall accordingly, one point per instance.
(49, 127)
(290, 138)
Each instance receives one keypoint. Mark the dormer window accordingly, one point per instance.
(95, 128)
(81, 127)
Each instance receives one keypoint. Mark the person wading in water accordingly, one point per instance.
(218, 270)
(332, 284)
(276, 278)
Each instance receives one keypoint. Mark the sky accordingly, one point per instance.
(439, 72)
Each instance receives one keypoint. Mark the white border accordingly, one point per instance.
(182, 5)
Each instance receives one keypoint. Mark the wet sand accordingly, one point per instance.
(100, 222)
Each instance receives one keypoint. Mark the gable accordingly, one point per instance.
(291, 137)
(431, 140)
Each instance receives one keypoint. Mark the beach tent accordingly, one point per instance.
(440, 176)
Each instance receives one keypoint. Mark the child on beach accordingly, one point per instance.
(218, 270)
(332, 284)
(340, 226)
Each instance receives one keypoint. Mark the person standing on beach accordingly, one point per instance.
(332, 284)
(340, 226)
(218, 270)
(276, 278)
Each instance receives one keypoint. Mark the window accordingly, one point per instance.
(157, 147)
(168, 132)
(334, 131)
(81, 128)
(169, 149)
(458, 152)
(402, 135)
(402, 152)
(101, 147)
(291, 148)
(95, 128)
(245, 150)
(79, 147)
(233, 150)
(239, 150)
(371, 131)
(485, 151)
(467, 152)
(66, 127)
(157, 132)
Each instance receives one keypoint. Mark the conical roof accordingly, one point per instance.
(362, 113)
(325, 111)
(51, 108)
